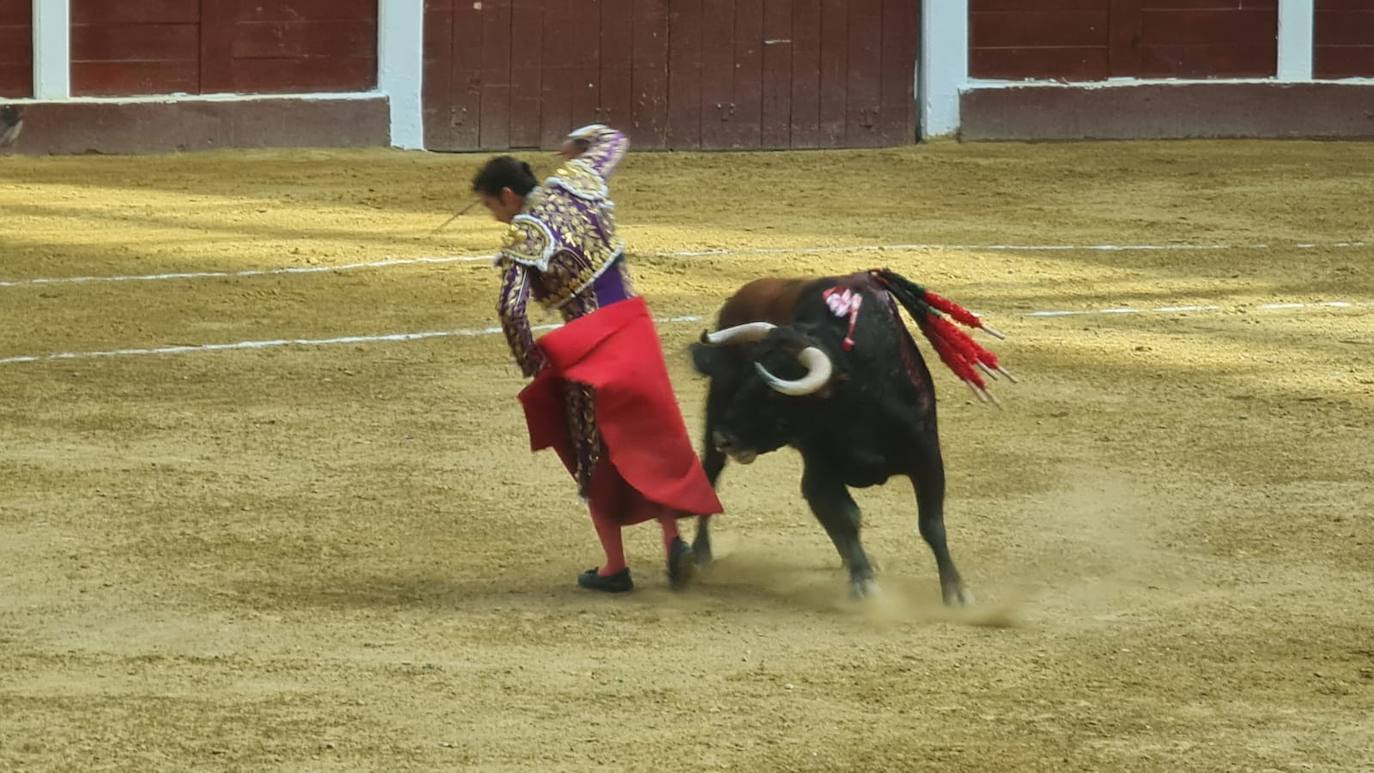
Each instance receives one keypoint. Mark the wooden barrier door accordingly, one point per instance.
(679, 74)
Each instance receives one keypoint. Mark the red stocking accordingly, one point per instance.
(604, 501)
(669, 523)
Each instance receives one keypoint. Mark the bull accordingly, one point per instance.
(828, 367)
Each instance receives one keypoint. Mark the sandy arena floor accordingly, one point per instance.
(342, 556)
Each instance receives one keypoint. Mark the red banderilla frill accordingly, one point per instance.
(960, 353)
(844, 301)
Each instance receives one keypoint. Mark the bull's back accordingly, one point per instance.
(763, 300)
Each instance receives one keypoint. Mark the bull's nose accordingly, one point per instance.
(722, 441)
(729, 445)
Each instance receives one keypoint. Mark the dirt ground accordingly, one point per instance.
(344, 557)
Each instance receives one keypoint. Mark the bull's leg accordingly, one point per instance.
(839, 514)
(713, 462)
(928, 476)
(701, 544)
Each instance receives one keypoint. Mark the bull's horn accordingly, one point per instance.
(818, 372)
(745, 334)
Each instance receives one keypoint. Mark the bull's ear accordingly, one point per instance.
(707, 359)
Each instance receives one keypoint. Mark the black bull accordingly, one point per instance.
(790, 366)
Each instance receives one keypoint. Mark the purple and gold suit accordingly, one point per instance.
(562, 249)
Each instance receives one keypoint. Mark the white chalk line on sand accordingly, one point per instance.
(496, 330)
(252, 272)
(279, 342)
(704, 253)
(1180, 246)
(1186, 309)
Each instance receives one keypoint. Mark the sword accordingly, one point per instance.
(456, 215)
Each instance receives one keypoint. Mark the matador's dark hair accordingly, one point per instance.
(504, 172)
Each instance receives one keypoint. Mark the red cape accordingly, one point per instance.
(615, 350)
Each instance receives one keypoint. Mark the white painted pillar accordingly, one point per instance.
(52, 49)
(943, 69)
(401, 68)
(1295, 40)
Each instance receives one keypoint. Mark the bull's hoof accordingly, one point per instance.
(861, 589)
(702, 552)
(958, 596)
(682, 565)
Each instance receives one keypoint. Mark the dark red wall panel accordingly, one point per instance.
(205, 46)
(1208, 38)
(1097, 39)
(135, 47)
(1344, 39)
(1068, 39)
(302, 45)
(16, 48)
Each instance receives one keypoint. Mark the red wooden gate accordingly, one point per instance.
(682, 74)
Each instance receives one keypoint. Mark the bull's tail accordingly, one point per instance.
(956, 348)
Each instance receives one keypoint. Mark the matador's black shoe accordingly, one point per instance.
(619, 582)
(682, 565)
